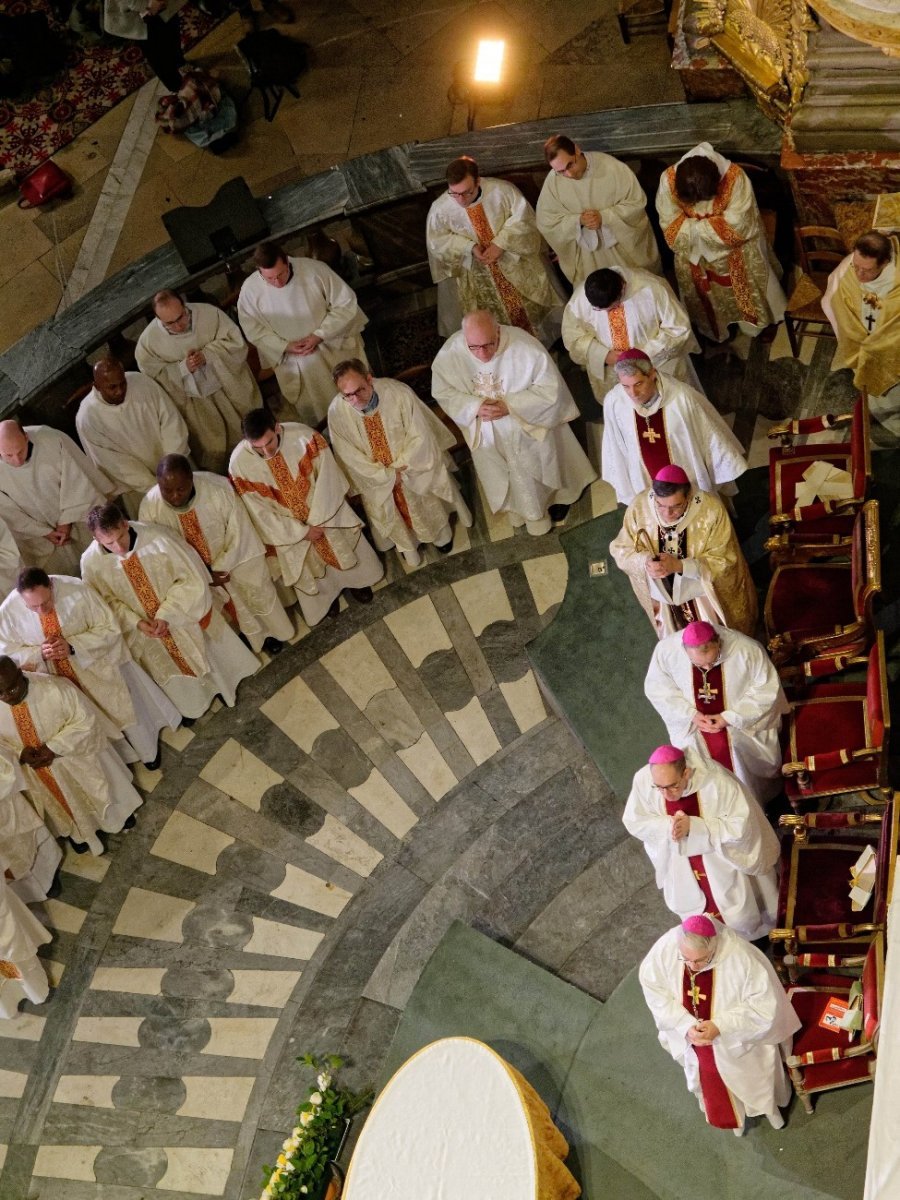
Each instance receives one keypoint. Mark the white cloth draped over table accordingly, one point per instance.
(418, 442)
(101, 663)
(738, 846)
(56, 485)
(625, 237)
(22, 977)
(754, 705)
(205, 660)
(529, 459)
(127, 440)
(314, 301)
(456, 1122)
(213, 398)
(227, 534)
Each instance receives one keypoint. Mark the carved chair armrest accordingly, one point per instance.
(830, 760)
(824, 960)
(836, 932)
(788, 430)
(833, 1055)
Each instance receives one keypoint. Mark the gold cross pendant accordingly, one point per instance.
(707, 694)
(651, 435)
(696, 994)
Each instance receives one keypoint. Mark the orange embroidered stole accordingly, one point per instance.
(194, 536)
(150, 602)
(21, 714)
(381, 452)
(294, 493)
(512, 301)
(704, 277)
(618, 328)
(9, 970)
(51, 628)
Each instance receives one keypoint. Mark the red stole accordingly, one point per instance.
(690, 806)
(653, 441)
(709, 699)
(697, 998)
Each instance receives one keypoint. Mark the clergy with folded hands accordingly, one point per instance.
(681, 554)
(724, 1017)
(73, 777)
(159, 591)
(718, 692)
(710, 844)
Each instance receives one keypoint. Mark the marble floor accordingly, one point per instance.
(127, 173)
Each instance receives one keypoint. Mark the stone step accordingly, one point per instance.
(839, 98)
(881, 118)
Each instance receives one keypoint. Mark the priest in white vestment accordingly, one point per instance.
(22, 976)
(712, 849)
(503, 390)
(47, 485)
(593, 212)
(723, 1015)
(681, 554)
(203, 509)
(296, 496)
(303, 319)
(60, 626)
(29, 853)
(73, 777)
(199, 356)
(484, 251)
(393, 450)
(126, 424)
(159, 592)
(719, 694)
(622, 308)
(727, 274)
(652, 420)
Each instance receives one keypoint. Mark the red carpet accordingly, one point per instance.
(94, 79)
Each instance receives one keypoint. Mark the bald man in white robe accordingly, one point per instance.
(126, 423)
(199, 356)
(47, 485)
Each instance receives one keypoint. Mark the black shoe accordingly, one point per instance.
(558, 512)
(333, 611)
(55, 887)
(361, 595)
(187, 722)
(272, 646)
(153, 765)
(79, 847)
(446, 548)
(130, 822)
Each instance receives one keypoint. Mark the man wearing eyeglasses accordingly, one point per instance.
(724, 1017)
(199, 356)
(303, 319)
(708, 840)
(593, 212)
(394, 451)
(485, 251)
(502, 388)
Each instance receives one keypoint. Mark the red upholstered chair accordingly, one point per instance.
(811, 530)
(814, 909)
(819, 609)
(823, 1059)
(836, 736)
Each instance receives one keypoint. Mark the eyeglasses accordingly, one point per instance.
(483, 345)
(671, 787)
(360, 392)
(178, 320)
(698, 963)
(462, 195)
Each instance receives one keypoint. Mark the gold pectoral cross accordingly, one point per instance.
(707, 694)
(695, 994)
(650, 434)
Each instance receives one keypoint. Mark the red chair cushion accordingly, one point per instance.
(821, 1076)
(833, 716)
(821, 878)
(787, 464)
(810, 599)
(809, 1006)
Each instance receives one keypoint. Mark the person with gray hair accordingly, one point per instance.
(652, 420)
(724, 1017)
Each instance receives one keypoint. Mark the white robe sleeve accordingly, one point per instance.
(342, 305)
(674, 337)
(760, 696)
(663, 692)
(79, 730)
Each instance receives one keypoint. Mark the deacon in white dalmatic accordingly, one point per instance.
(29, 853)
(718, 692)
(158, 590)
(724, 1017)
(22, 977)
(58, 625)
(485, 251)
(296, 496)
(503, 390)
(73, 777)
(199, 356)
(708, 839)
(203, 509)
(303, 319)
(393, 450)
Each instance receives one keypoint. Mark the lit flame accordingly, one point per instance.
(489, 62)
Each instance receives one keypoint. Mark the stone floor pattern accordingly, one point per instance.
(295, 862)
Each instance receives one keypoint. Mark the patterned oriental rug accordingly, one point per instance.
(95, 78)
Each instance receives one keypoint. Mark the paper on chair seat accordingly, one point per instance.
(862, 879)
(822, 480)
